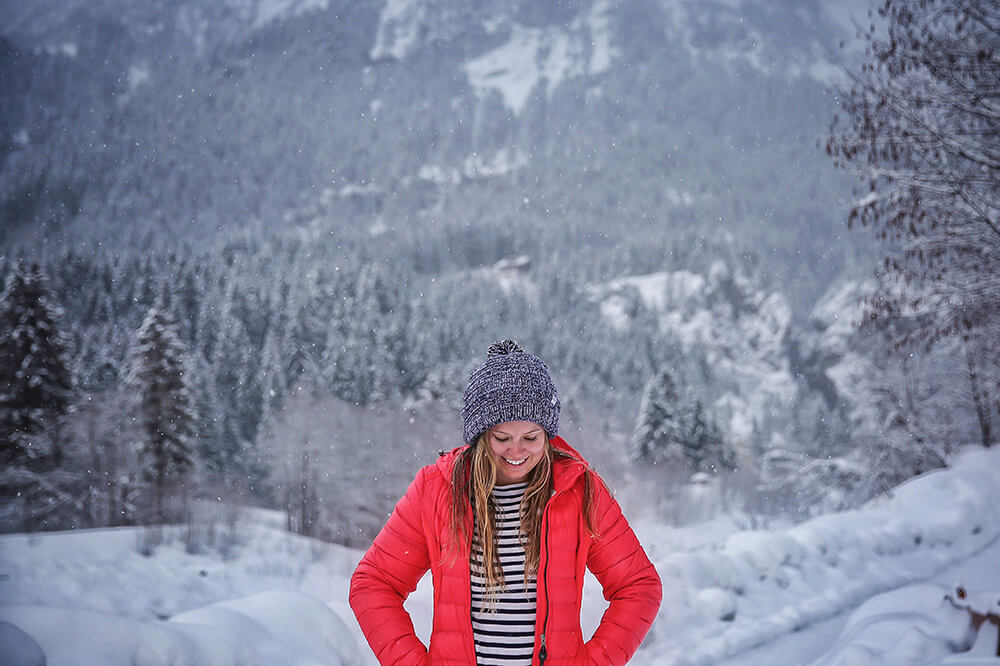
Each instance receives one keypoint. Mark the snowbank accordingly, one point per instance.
(926, 623)
(913, 625)
(278, 627)
(722, 599)
(90, 597)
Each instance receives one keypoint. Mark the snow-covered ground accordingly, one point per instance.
(859, 587)
(886, 625)
(90, 597)
(725, 598)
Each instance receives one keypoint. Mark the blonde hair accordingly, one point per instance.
(473, 479)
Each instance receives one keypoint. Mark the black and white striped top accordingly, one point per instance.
(504, 634)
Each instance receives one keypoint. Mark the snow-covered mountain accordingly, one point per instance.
(190, 116)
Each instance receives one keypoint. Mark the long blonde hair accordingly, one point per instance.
(472, 481)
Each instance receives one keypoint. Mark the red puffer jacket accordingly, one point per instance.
(417, 537)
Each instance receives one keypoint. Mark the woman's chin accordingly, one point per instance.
(508, 473)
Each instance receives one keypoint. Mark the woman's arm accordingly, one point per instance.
(387, 574)
(630, 583)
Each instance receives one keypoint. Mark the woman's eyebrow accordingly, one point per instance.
(501, 432)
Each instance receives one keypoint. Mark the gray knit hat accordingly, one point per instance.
(512, 385)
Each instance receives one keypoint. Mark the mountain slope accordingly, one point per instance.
(189, 116)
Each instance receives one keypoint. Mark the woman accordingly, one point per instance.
(506, 524)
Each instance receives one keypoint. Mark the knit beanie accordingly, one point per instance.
(512, 385)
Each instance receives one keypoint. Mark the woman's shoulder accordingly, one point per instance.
(570, 467)
(568, 456)
(439, 471)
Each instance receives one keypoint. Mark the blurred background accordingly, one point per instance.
(260, 244)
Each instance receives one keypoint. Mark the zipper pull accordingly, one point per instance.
(542, 653)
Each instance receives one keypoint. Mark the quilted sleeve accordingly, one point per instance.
(387, 574)
(631, 584)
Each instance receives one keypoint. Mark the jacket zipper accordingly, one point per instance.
(542, 652)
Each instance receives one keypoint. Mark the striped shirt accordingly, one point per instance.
(504, 634)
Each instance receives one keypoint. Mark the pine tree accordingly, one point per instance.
(704, 447)
(677, 430)
(35, 384)
(659, 431)
(36, 388)
(166, 415)
(208, 425)
(239, 396)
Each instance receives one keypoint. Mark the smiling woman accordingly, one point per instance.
(508, 524)
(516, 447)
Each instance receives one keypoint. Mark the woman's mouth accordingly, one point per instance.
(516, 463)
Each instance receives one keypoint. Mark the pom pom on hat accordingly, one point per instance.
(504, 347)
(512, 385)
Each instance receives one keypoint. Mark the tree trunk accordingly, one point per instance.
(979, 399)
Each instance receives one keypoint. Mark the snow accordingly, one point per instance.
(867, 200)
(513, 69)
(879, 632)
(839, 313)
(915, 624)
(784, 580)
(278, 598)
(747, 41)
(138, 74)
(827, 73)
(876, 576)
(741, 329)
(599, 23)
(266, 628)
(199, 22)
(67, 49)
(192, 23)
(17, 647)
(678, 197)
(532, 55)
(398, 28)
(269, 10)
(474, 166)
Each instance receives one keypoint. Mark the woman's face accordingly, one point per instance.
(516, 447)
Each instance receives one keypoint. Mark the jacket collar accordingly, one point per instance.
(565, 471)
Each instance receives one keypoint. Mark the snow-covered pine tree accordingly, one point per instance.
(274, 393)
(302, 330)
(208, 427)
(704, 447)
(36, 389)
(35, 380)
(166, 414)
(659, 430)
(234, 374)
